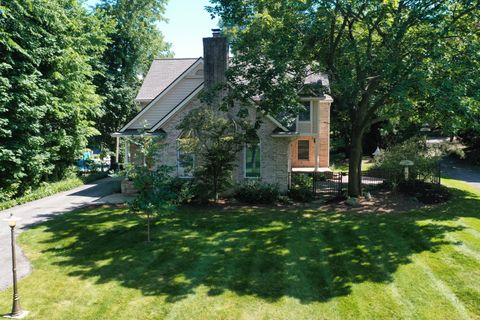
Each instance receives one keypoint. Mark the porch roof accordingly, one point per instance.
(137, 133)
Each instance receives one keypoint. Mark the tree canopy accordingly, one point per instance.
(68, 75)
(135, 42)
(386, 59)
(47, 97)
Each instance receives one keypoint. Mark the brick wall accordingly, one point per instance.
(274, 152)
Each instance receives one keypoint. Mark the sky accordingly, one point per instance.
(188, 24)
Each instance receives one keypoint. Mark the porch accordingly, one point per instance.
(310, 154)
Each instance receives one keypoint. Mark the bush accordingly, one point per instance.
(454, 150)
(427, 193)
(184, 189)
(425, 167)
(255, 192)
(301, 188)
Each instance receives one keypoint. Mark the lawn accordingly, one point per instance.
(261, 263)
(341, 165)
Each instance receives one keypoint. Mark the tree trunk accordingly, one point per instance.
(355, 165)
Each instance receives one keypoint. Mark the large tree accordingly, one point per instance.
(47, 98)
(381, 56)
(135, 42)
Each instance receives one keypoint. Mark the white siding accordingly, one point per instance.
(305, 127)
(166, 103)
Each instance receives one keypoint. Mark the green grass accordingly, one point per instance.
(341, 165)
(48, 189)
(257, 264)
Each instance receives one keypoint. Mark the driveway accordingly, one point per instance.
(41, 210)
(459, 171)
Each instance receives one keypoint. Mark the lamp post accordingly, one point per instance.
(17, 312)
(406, 164)
(425, 129)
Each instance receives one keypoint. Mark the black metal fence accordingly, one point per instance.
(321, 183)
(336, 183)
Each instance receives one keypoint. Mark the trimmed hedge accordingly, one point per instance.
(255, 192)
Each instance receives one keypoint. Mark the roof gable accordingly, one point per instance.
(161, 74)
(167, 99)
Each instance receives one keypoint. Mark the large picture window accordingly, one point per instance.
(304, 115)
(185, 163)
(252, 161)
(303, 149)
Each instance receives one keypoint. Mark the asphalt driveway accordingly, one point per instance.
(459, 171)
(40, 210)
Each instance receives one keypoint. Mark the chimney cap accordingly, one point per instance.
(216, 32)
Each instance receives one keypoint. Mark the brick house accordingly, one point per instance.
(171, 89)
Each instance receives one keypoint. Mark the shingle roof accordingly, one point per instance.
(162, 72)
(314, 78)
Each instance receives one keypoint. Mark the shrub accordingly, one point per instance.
(454, 150)
(427, 193)
(184, 189)
(425, 167)
(255, 192)
(301, 188)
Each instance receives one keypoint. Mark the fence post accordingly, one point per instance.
(314, 187)
(439, 173)
(340, 187)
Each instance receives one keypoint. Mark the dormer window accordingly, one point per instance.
(305, 114)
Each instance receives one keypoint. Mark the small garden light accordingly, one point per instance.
(377, 152)
(425, 128)
(406, 164)
(17, 312)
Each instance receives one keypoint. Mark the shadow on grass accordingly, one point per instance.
(266, 253)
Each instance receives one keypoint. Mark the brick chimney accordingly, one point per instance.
(215, 59)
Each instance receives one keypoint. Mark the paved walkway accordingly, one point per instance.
(41, 210)
(459, 171)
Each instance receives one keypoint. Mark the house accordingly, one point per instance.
(171, 89)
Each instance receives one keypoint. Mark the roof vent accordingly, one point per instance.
(216, 33)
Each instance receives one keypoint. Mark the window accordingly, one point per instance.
(303, 149)
(252, 161)
(185, 163)
(304, 114)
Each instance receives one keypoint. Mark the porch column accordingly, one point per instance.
(316, 139)
(117, 149)
(125, 161)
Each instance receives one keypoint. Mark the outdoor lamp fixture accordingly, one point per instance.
(377, 152)
(406, 164)
(425, 128)
(17, 312)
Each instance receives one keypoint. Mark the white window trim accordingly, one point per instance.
(178, 164)
(245, 161)
(311, 114)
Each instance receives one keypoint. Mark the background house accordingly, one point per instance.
(171, 89)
